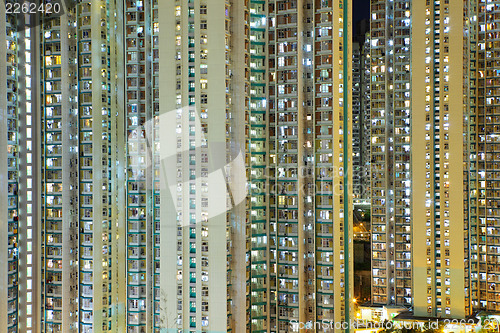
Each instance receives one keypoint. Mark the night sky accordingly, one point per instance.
(360, 10)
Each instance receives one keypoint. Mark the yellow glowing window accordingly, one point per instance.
(52, 60)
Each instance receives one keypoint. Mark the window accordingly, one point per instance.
(204, 305)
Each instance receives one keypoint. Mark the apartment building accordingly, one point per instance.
(390, 152)
(247, 145)
(310, 160)
(284, 108)
(141, 60)
(60, 146)
(9, 181)
(454, 191)
(78, 177)
(361, 124)
(195, 106)
(482, 175)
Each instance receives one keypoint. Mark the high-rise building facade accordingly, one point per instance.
(390, 152)
(195, 112)
(440, 194)
(141, 95)
(247, 145)
(434, 229)
(454, 157)
(61, 147)
(9, 180)
(21, 270)
(483, 132)
(79, 169)
(310, 160)
(361, 124)
(284, 109)
(259, 141)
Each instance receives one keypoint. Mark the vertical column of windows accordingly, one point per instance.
(179, 22)
(357, 123)
(445, 155)
(399, 149)
(437, 158)
(258, 163)
(470, 151)
(192, 126)
(89, 197)
(12, 174)
(284, 160)
(365, 118)
(272, 107)
(435, 203)
(107, 167)
(379, 184)
(193, 132)
(156, 162)
(88, 166)
(429, 145)
(326, 94)
(95, 164)
(52, 175)
(485, 247)
(28, 163)
(138, 193)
